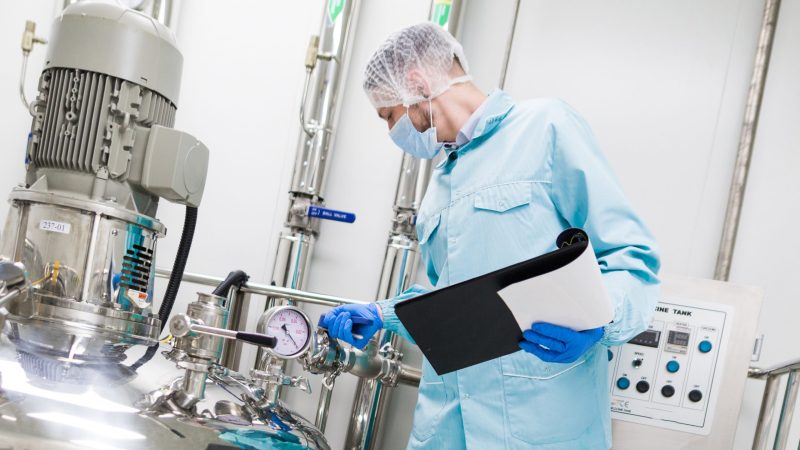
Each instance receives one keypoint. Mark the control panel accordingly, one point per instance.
(665, 376)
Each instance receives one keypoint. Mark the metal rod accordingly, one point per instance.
(787, 412)
(221, 332)
(324, 405)
(778, 369)
(747, 140)
(509, 45)
(267, 290)
(765, 414)
(410, 376)
(231, 350)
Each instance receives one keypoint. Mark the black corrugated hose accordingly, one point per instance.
(235, 278)
(187, 235)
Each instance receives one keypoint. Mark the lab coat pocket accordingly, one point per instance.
(431, 403)
(503, 197)
(546, 402)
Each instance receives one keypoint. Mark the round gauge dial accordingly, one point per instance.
(292, 329)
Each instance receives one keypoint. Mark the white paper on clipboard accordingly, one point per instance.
(572, 296)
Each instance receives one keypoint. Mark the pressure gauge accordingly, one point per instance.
(291, 327)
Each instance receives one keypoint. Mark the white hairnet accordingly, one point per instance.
(425, 47)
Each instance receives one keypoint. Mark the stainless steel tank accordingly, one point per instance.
(100, 154)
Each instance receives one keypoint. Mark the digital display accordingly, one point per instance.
(678, 338)
(649, 338)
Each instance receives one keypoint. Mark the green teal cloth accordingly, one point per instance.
(262, 440)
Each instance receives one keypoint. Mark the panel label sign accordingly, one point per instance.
(56, 227)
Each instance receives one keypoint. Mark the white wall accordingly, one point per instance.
(662, 83)
(15, 118)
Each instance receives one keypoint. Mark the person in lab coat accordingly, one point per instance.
(512, 177)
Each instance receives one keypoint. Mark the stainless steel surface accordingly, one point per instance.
(371, 398)
(787, 411)
(399, 269)
(747, 140)
(764, 423)
(109, 414)
(330, 358)
(90, 263)
(324, 406)
(267, 290)
(778, 369)
(236, 305)
(773, 376)
(227, 334)
(322, 106)
(509, 45)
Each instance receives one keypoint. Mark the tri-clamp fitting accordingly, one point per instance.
(331, 359)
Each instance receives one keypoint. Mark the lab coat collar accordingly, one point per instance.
(495, 109)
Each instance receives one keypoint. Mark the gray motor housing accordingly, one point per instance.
(111, 75)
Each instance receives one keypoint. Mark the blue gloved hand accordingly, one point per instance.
(354, 324)
(553, 343)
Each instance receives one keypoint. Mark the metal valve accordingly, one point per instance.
(182, 325)
(280, 379)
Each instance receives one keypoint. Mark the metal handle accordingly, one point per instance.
(331, 214)
(182, 325)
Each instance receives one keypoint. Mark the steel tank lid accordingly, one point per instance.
(113, 40)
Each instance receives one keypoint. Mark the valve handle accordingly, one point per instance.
(262, 340)
(331, 214)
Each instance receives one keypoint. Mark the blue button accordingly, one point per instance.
(704, 346)
(673, 366)
(610, 355)
(623, 383)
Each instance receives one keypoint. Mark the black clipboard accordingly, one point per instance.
(468, 323)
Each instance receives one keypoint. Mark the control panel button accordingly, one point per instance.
(643, 386)
(668, 390)
(623, 383)
(695, 396)
(704, 346)
(610, 355)
(637, 362)
(673, 366)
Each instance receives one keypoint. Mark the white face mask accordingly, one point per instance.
(421, 145)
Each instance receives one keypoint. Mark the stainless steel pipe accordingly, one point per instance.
(787, 411)
(773, 377)
(267, 290)
(744, 155)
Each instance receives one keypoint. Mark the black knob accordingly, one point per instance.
(695, 396)
(637, 363)
(643, 386)
(668, 390)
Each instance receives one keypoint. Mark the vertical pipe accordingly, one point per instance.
(232, 348)
(746, 140)
(787, 411)
(765, 414)
(400, 266)
(320, 111)
(400, 262)
(509, 45)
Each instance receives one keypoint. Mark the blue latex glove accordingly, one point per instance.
(354, 324)
(553, 343)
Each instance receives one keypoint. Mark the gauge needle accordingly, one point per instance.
(285, 330)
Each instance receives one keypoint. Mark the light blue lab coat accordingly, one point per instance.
(530, 171)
